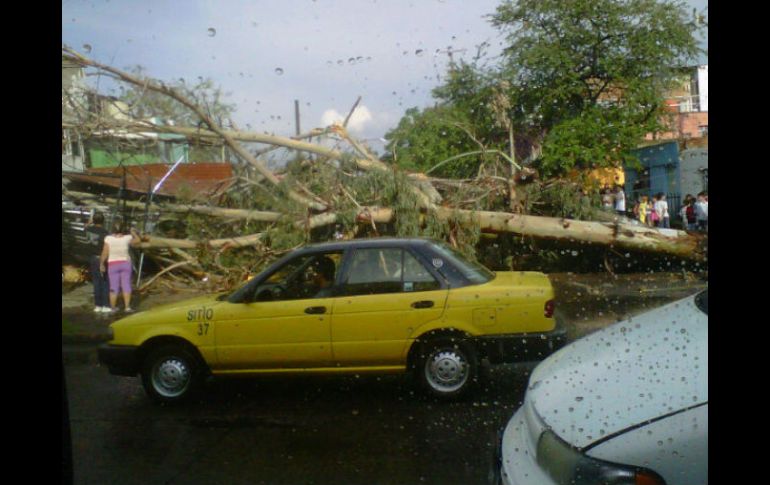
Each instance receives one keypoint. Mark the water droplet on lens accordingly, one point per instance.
(212, 31)
(87, 48)
(279, 71)
(418, 52)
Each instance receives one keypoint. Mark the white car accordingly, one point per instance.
(625, 405)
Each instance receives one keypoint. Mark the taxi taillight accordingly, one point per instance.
(550, 306)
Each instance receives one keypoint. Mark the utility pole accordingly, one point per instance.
(296, 115)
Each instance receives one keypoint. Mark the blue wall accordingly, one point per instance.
(661, 164)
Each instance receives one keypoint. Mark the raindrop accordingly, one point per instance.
(578, 398)
(87, 48)
(418, 52)
(212, 31)
(340, 62)
(279, 71)
(352, 61)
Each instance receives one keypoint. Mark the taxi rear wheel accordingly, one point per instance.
(170, 374)
(447, 367)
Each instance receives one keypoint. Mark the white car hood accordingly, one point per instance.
(633, 371)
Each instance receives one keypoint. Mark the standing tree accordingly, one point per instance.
(590, 75)
(585, 81)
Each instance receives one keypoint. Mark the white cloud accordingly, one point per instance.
(358, 120)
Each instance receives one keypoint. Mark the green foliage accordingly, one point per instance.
(560, 199)
(592, 73)
(564, 57)
(597, 137)
(425, 138)
(466, 119)
(584, 78)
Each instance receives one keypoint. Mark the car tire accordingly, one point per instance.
(447, 367)
(171, 374)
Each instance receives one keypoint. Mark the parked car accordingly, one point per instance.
(376, 305)
(624, 405)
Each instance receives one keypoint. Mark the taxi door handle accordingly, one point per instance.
(315, 309)
(422, 304)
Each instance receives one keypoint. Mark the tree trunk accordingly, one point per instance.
(622, 236)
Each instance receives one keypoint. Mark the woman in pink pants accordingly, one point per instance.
(115, 254)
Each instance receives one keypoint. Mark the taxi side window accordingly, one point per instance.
(386, 270)
(309, 276)
(417, 275)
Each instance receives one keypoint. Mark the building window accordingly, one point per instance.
(704, 130)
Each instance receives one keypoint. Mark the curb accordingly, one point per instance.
(79, 354)
(76, 339)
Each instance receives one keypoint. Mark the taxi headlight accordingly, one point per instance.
(568, 466)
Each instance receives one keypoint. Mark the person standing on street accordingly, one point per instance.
(652, 214)
(95, 233)
(683, 212)
(643, 210)
(661, 208)
(620, 201)
(115, 255)
(702, 212)
(606, 198)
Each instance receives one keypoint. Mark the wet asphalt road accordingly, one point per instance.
(301, 430)
(313, 430)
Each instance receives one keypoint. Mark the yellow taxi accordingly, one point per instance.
(362, 306)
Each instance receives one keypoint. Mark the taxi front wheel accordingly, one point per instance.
(170, 374)
(448, 367)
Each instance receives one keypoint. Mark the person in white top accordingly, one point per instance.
(661, 207)
(702, 212)
(606, 198)
(620, 201)
(115, 255)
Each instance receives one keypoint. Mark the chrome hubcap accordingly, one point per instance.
(171, 377)
(446, 370)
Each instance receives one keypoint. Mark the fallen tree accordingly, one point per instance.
(357, 195)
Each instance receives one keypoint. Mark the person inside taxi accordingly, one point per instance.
(323, 277)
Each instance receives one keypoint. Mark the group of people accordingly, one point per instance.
(110, 263)
(614, 199)
(695, 212)
(654, 211)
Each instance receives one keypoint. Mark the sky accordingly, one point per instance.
(268, 53)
